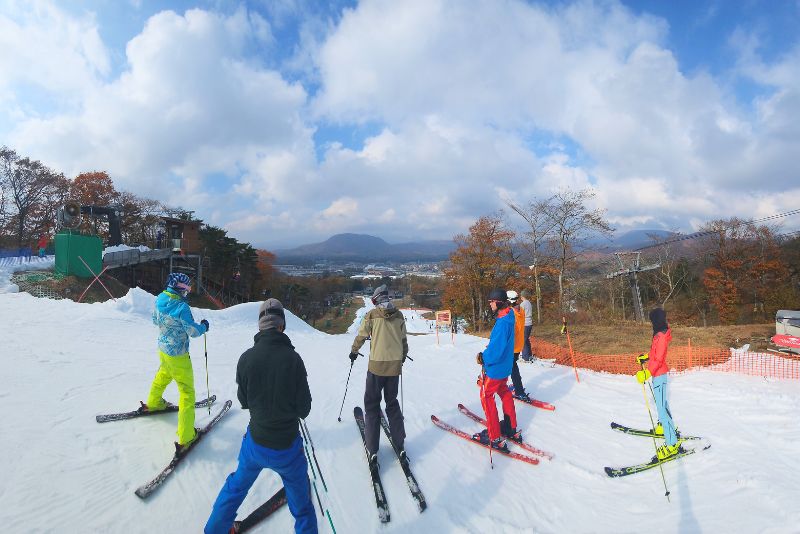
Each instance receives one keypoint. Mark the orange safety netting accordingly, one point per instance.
(681, 359)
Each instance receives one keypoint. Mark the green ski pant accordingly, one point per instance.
(179, 369)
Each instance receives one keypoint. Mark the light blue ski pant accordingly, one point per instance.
(664, 415)
(289, 463)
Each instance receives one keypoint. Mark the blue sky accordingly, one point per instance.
(286, 121)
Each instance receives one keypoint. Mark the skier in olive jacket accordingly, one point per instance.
(385, 326)
(273, 385)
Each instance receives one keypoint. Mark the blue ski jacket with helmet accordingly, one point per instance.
(498, 356)
(174, 319)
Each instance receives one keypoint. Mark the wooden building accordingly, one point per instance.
(182, 235)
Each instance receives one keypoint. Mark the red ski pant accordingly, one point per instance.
(490, 387)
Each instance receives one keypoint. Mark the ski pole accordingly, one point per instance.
(653, 393)
(483, 403)
(308, 441)
(208, 390)
(307, 435)
(661, 467)
(313, 472)
(345, 390)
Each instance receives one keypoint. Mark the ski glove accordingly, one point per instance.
(479, 358)
(643, 358)
(205, 323)
(643, 375)
(353, 356)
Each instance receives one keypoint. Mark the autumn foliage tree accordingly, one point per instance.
(482, 261)
(745, 267)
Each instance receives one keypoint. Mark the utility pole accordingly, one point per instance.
(630, 272)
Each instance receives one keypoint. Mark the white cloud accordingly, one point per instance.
(43, 47)
(473, 102)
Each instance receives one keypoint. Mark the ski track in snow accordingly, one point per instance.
(61, 471)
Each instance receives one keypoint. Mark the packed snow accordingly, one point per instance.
(65, 362)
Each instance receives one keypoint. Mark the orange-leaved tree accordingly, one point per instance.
(94, 188)
(482, 260)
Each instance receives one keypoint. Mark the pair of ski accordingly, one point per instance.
(271, 505)
(377, 485)
(615, 472)
(533, 460)
(145, 490)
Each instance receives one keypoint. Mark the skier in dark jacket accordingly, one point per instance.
(385, 326)
(273, 385)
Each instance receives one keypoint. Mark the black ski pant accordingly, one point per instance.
(372, 411)
(516, 378)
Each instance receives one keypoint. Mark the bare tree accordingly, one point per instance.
(26, 181)
(540, 225)
(7, 158)
(573, 223)
(673, 270)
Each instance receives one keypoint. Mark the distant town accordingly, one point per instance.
(363, 270)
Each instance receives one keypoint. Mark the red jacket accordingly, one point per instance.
(42, 242)
(658, 353)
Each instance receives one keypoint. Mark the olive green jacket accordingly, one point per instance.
(386, 329)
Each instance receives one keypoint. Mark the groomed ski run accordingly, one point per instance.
(91, 469)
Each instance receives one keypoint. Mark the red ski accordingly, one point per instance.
(533, 402)
(527, 446)
(538, 404)
(460, 433)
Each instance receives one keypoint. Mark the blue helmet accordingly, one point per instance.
(179, 282)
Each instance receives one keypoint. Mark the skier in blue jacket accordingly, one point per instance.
(174, 319)
(497, 360)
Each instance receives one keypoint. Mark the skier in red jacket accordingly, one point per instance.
(656, 361)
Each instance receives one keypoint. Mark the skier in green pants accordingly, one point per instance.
(174, 319)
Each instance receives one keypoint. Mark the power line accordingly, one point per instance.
(712, 232)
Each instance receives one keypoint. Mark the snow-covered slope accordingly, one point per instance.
(60, 471)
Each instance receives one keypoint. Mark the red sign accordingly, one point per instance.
(443, 316)
(787, 341)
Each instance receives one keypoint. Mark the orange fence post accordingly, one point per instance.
(564, 330)
(690, 354)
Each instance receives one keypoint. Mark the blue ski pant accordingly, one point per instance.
(664, 415)
(289, 463)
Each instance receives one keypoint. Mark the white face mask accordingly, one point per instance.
(183, 289)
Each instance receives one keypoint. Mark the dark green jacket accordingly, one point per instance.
(273, 385)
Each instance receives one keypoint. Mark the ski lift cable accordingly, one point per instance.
(711, 232)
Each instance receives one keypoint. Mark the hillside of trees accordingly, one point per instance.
(731, 271)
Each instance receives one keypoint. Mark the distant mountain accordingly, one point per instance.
(367, 248)
(639, 238)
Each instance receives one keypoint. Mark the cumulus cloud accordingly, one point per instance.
(592, 72)
(469, 104)
(188, 105)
